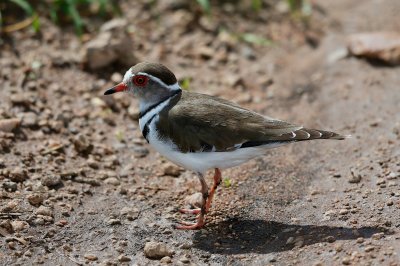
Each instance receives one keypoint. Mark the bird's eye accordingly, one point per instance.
(140, 80)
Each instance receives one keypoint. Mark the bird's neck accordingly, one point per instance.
(160, 103)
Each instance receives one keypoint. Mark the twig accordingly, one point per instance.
(19, 25)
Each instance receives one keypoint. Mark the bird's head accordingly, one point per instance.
(149, 82)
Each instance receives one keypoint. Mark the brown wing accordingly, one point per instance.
(202, 122)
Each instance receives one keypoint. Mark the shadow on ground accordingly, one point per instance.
(259, 236)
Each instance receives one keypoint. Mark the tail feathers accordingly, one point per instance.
(309, 134)
(297, 135)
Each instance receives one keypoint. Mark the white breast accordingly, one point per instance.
(202, 161)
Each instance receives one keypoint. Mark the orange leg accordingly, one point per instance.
(201, 212)
(207, 199)
(217, 181)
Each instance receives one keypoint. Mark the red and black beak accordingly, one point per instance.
(117, 88)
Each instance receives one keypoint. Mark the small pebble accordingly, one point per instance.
(346, 261)
(123, 258)
(166, 260)
(156, 250)
(90, 257)
(360, 240)
(10, 186)
(369, 248)
(51, 181)
(112, 181)
(35, 199)
(171, 169)
(114, 221)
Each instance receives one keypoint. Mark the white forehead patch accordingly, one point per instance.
(127, 76)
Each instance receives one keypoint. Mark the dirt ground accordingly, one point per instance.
(79, 184)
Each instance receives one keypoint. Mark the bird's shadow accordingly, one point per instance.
(259, 236)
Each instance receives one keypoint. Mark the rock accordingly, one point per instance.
(186, 246)
(133, 111)
(35, 199)
(90, 257)
(156, 250)
(290, 240)
(337, 55)
(29, 119)
(171, 169)
(19, 225)
(330, 239)
(205, 52)
(45, 211)
(82, 145)
(39, 221)
(369, 248)
(112, 44)
(129, 212)
(114, 221)
(51, 181)
(166, 260)
(123, 258)
(248, 52)
(339, 247)
(391, 176)
(184, 259)
(384, 46)
(8, 125)
(346, 261)
(67, 248)
(116, 77)
(18, 175)
(140, 152)
(112, 181)
(20, 99)
(195, 200)
(92, 163)
(10, 186)
(299, 241)
(378, 236)
(97, 102)
(343, 212)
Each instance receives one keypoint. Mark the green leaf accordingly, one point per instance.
(255, 39)
(205, 5)
(256, 4)
(185, 84)
(36, 23)
(227, 182)
(76, 18)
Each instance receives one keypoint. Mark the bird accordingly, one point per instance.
(201, 132)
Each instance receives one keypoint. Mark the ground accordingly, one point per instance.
(81, 186)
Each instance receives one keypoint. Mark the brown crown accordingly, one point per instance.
(157, 70)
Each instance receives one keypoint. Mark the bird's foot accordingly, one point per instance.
(191, 226)
(190, 211)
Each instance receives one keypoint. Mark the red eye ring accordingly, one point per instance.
(140, 80)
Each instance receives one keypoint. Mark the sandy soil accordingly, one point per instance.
(81, 186)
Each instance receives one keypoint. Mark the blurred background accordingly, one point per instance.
(79, 184)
